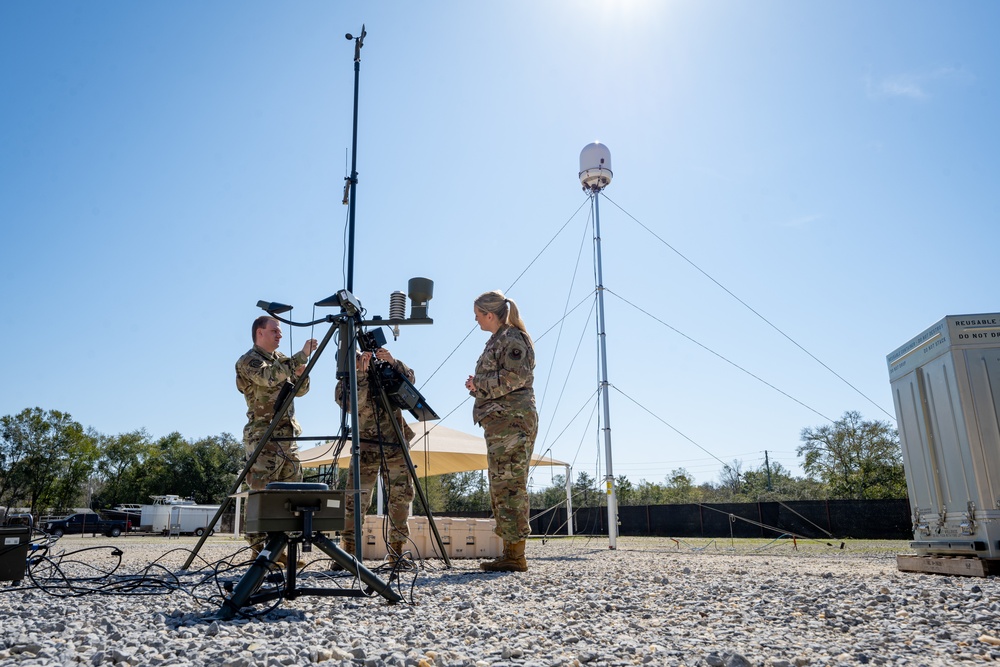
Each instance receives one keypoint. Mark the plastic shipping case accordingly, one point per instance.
(946, 386)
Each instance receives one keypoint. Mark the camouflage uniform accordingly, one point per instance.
(260, 376)
(505, 408)
(389, 457)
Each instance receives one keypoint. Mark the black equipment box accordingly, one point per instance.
(14, 552)
(283, 509)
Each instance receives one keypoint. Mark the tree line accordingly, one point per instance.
(850, 459)
(49, 460)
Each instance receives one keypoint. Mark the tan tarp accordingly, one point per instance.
(438, 451)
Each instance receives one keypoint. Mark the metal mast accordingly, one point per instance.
(595, 175)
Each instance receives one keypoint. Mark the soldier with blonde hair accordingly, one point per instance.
(505, 408)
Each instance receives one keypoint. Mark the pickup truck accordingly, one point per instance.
(78, 524)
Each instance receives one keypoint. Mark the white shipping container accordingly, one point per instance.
(947, 414)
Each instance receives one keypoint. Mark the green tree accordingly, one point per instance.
(435, 492)
(466, 491)
(856, 459)
(120, 467)
(650, 493)
(220, 459)
(625, 492)
(731, 479)
(550, 496)
(584, 491)
(45, 459)
(204, 470)
(680, 488)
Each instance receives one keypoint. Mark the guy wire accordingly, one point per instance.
(747, 306)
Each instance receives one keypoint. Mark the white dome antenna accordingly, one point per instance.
(595, 167)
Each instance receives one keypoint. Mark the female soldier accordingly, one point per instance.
(505, 408)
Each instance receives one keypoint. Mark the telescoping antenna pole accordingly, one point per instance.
(348, 336)
(353, 179)
(595, 175)
(609, 476)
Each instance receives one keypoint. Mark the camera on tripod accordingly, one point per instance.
(371, 340)
(398, 389)
(401, 392)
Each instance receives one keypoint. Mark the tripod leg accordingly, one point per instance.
(356, 568)
(413, 475)
(254, 576)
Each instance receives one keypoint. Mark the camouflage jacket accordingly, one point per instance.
(504, 374)
(260, 376)
(367, 404)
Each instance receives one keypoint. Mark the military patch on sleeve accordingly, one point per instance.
(256, 363)
(516, 354)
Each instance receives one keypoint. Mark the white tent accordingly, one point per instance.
(435, 451)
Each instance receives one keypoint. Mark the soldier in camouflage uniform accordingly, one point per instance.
(380, 452)
(505, 408)
(260, 375)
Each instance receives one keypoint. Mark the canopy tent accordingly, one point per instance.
(437, 451)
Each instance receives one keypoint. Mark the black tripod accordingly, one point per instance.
(348, 323)
(392, 391)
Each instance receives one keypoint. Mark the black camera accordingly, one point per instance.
(371, 340)
(401, 392)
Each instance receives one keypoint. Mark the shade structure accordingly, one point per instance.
(436, 451)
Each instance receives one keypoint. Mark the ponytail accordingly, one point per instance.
(505, 309)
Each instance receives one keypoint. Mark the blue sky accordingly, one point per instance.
(163, 166)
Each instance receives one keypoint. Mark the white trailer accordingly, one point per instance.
(155, 518)
(193, 519)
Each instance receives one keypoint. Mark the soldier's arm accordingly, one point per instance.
(261, 373)
(340, 395)
(404, 370)
(513, 371)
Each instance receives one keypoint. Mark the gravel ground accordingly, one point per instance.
(649, 602)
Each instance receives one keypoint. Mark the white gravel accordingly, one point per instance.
(650, 602)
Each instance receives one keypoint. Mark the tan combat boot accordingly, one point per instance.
(512, 559)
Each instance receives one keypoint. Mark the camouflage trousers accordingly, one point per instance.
(395, 479)
(510, 440)
(277, 462)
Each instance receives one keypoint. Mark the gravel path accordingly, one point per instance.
(650, 602)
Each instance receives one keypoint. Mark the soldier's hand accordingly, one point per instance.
(310, 346)
(383, 354)
(364, 361)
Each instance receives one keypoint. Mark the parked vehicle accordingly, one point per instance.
(84, 523)
(129, 513)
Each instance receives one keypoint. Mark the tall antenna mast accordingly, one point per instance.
(595, 175)
(352, 180)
